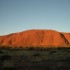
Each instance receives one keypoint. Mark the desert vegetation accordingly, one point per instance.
(34, 58)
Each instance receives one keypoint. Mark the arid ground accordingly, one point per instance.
(34, 58)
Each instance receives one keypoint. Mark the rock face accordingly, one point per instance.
(36, 38)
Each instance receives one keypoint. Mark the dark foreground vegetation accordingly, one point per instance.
(34, 58)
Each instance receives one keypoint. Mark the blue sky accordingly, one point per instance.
(20, 15)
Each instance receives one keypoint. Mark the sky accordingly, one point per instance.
(21, 15)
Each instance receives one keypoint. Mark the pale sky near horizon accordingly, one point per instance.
(20, 15)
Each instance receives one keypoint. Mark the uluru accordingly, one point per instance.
(36, 38)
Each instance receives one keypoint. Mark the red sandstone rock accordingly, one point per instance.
(36, 38)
